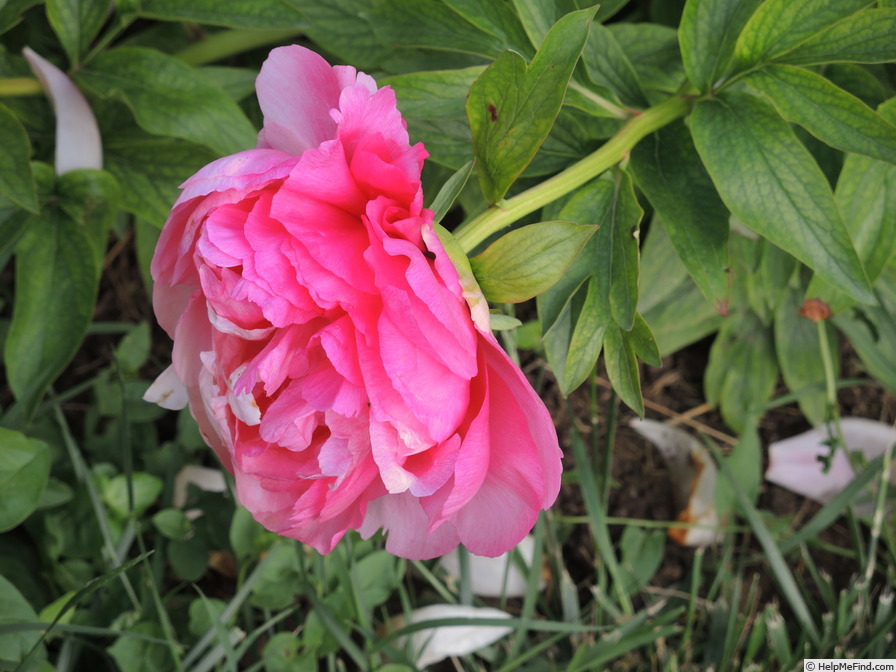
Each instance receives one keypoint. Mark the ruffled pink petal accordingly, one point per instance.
(406, 526)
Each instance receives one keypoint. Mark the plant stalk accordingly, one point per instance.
(472, 233)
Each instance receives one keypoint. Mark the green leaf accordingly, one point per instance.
(12, 12)
(600, 289)
(643, 342)
(346, 28)
(653, 52)
(641, 554)
(769, 181)
(527, 261)
(497, 19)
(512, 106)
(231, 13)
(24, 470)
(622, 368)
(15, 609)
(778, 26)
(865, 37)
(666, 292)
(90, 198)
(449, 192)
(16, 179)
(139, 649)
(409, 24)
(707, 35)
(608, 66)
(868, 330)
(140, 490)
(669, 171)
(434, 105)
(866, 197)
(799, 354)
(173, 524)
(56, 281)
(170, 98)
(150, 169)
(742, 369)
(76, 23)
(834, 116)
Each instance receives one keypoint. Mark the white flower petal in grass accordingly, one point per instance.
(167, 391)
(78, 143)
(694, 477)
(795, 463)
(487, 575)
(205, 478)
(432, 645)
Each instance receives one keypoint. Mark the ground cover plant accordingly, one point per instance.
(682, 211)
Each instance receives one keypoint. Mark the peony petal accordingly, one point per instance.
(694, 476)
(500, 576)
(167, 391)
(78, 143)
(795, 463)
(431, 645)
(297, 89)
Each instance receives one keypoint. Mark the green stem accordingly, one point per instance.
(230, 42)
(471, 233)
(20, 86)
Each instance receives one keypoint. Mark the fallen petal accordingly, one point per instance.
(487, 575)
(432, 645)
(167, 391)
(78, 143)
(795, 463)
(205, 478)
(694, 476)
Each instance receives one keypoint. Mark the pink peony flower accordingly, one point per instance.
(323, 341)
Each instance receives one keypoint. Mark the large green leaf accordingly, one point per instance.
(667, 168)
(666, 292)
(409, 24)
(56, 281)
(778, 26)
(622, 368)
(799, 354)
(16, 179)
(231, 13)
(742, 369)
(608, 66)
(345, 28)
(512, 105)
(496, 19)
(76, 23)
(434, 105)
(768, 179)
(707, 34)
(529, 260)
(866, 197)
(150, 169)
(15, 610)
(170, 98)
(865, 37)
(834, 116)
(24, 471)
(600, 291)
(653, 53)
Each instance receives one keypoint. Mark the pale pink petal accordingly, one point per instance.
(78, 143)
(296, 90)
(167, 391)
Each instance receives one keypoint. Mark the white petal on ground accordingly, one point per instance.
(794, 463)
(205, 478)
(167, 391)
(78, 143)
(432, 645)
(694, 477)
(487, 575)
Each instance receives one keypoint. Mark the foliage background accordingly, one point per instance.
(738, 157)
